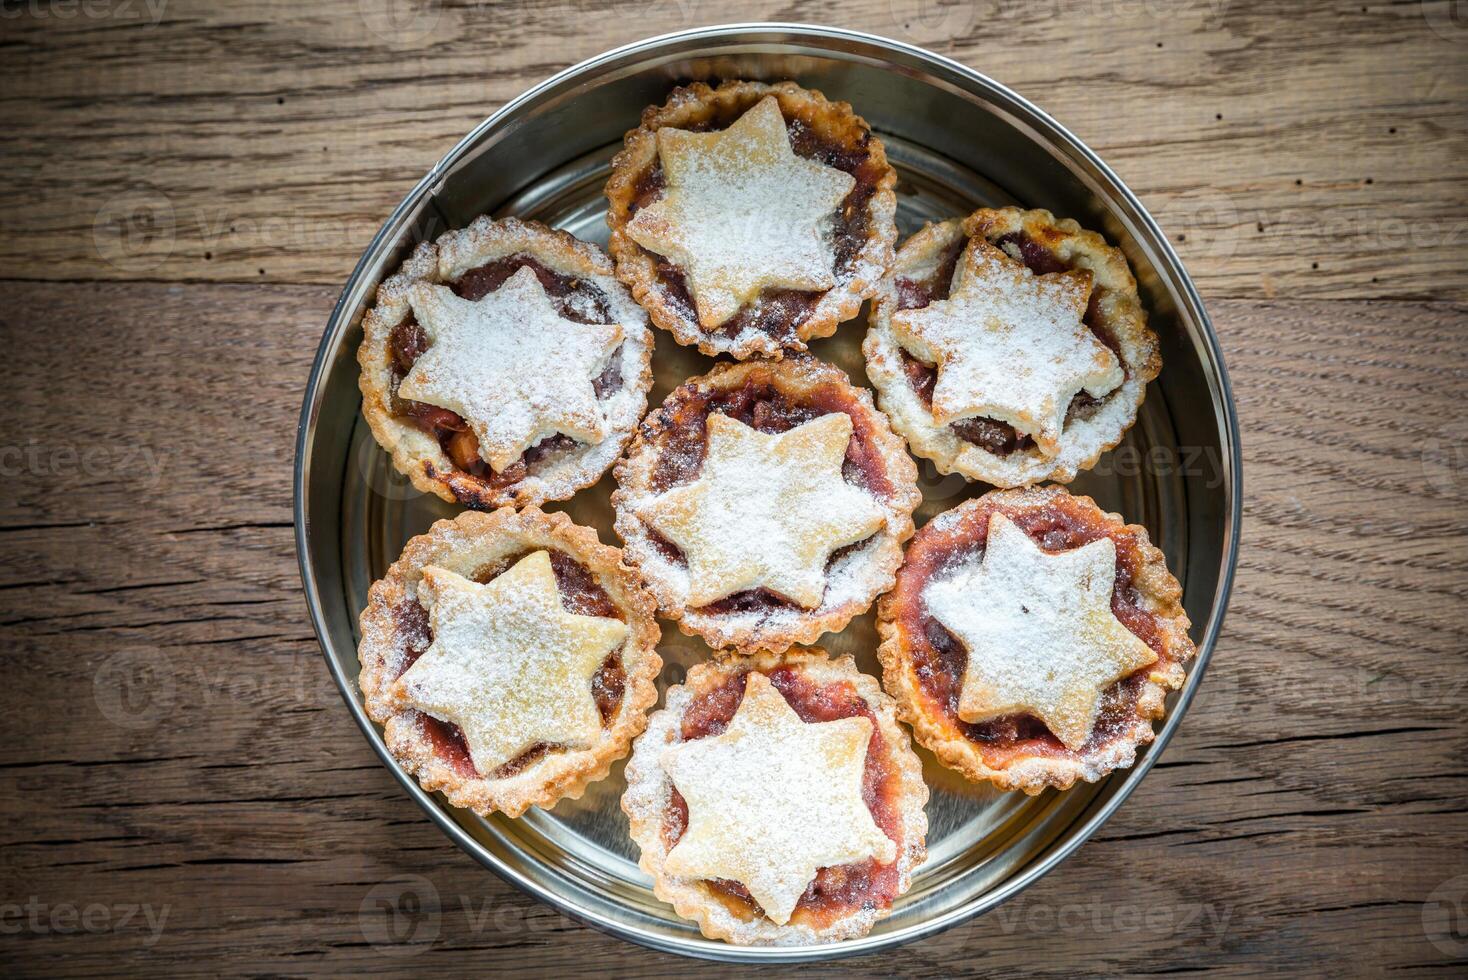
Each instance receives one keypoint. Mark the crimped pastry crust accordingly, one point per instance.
(462, 545)
(854, 580)
(1115, 295)
(649, 791)
(936, 729)
(695, 105)
(560, 473)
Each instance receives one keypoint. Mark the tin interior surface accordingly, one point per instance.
(958, 141)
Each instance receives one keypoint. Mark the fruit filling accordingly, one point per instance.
(778, 313)
(939, 659)
(580, 593)
(835, 891)
(759, 403)
(999, 438)
(574, 298)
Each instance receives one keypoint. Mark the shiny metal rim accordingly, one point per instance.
(857, 45)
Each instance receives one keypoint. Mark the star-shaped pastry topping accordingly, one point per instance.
(510, 365)
(508, 664)
(1010, 345)
(766, 511)
(773, 800)
(1040, 634)
(742, 213)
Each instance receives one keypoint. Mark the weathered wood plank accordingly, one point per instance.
(1306, 150)
(174, 746)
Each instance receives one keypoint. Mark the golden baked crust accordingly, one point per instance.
(469, 542)
(649, 790)
(557, 474)
(855, 576)
(1034, 764)
(1114, 297)
(698, 106)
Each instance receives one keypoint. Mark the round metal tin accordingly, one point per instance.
(958, 140)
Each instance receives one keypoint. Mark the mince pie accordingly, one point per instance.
(776, 800)
(1010, 347)
(766, 503)
(1032, 637)
(751, 218)
(510, 659)
(504, 364)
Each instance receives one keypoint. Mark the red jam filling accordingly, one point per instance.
(939, 659)
(582, 594)
(574, 298)
(836, 891)
(681, 439)
(778, 313)
(999, 438)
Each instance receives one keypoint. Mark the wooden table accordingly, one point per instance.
(187, 185)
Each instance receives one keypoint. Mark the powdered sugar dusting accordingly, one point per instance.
(557, 472)
(647, 801)
(742, 213)
(508, 664)
(854, 574)
(1039, 631)
(773, 799)
(513, 368)
(1010, 345)
(767, 510)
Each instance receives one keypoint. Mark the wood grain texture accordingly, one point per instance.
(172, 739)
(1291, 149)
(181, 789)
